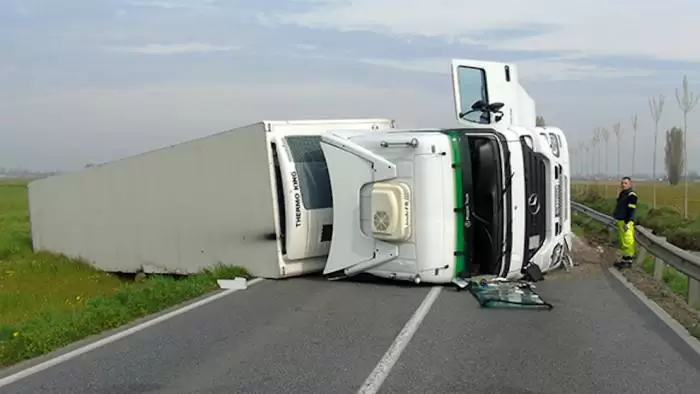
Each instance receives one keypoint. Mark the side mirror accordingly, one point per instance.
(495, 107)
(479, 105)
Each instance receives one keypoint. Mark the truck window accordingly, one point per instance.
(312, 171)
(472, 88)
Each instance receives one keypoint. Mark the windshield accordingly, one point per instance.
(312, 170)
(480, 198)
(472, 88)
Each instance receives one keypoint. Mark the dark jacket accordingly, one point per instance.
(626, 206)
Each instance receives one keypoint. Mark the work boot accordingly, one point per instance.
(626, 262)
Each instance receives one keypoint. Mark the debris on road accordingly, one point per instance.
(494, 293)
(237, 283)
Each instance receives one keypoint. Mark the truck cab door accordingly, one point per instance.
(490, 82)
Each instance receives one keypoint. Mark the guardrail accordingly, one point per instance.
(664, 253)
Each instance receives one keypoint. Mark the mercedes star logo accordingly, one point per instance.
(533, 203)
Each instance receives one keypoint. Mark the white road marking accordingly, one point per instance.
(381, 371)
(112, 338)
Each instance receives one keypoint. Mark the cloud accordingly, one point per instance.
(174, 4)
(149, 117)
(23, 10)
(306, 47)
(176, 49)
(107, 78)
(551, 70)
(664, 30)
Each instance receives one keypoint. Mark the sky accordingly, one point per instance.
(89, 81)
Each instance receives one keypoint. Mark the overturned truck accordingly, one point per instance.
(338, 197)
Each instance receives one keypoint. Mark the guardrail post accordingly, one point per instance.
(659, 265)
(693, 293)
(641, 256)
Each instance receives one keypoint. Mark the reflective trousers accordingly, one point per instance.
(625, 238)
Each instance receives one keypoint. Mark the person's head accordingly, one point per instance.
(626, 183)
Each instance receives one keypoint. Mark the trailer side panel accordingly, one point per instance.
(178, 209)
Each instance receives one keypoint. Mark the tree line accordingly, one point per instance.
(588, 153)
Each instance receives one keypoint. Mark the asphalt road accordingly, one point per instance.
(314, 336)
(598, 339)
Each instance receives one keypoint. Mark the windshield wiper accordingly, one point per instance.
(506, 188)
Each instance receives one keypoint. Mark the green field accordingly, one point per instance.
(666, 219)
(666, 195)
(48, 301)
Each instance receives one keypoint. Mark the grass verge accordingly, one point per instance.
(49, 301)
(578, 230)
(600, 234)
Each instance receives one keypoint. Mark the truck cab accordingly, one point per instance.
(539, 159)
(432, 205)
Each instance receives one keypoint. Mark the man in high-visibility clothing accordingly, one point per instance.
(624, 221)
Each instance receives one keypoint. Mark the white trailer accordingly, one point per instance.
(237, 197)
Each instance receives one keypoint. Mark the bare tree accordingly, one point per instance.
(597, 138)
(673, 157)
(605, 133)
(619, 131)
(686, 104)
(582, 156)
(656, 107)
(589, 163)
(592, 144)
(539, 121)
(634, 144)
(595, 152)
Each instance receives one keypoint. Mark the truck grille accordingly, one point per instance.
(535, 200)
(558, 202)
